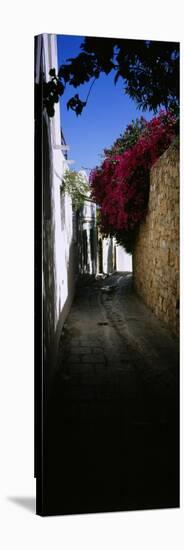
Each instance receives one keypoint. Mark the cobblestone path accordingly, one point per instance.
(112, 425)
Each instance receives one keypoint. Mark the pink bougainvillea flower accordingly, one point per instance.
(120, 186)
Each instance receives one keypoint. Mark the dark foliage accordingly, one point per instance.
(149, 69)
(51, 92)
(128, 138)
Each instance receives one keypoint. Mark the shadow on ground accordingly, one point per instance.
(112, 424)
(29, 503)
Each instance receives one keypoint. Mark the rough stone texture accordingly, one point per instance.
(156, 254)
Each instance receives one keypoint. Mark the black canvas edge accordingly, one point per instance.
(38, 324)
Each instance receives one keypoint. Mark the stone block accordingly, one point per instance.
(156, 255)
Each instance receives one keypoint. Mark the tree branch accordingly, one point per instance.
(90, 89)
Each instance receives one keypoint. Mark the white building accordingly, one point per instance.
(98, 254)
(112, 257)
(123, 259)
(58, 246)
(87, 235)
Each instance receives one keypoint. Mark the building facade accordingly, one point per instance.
(111, 256)
(59, 250)
(87, 235)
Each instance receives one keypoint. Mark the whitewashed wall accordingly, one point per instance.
(107, 254)
(88, 225)
(123, 260)
(115, 257)
(58, 245)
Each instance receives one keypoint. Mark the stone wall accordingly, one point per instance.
(156, 254)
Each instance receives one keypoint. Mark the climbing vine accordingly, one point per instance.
(120, 186)
(75, 184)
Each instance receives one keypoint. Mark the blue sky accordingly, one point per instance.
(106, 115)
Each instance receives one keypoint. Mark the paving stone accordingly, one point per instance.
(114, 406)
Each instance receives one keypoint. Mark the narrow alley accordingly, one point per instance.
(112, 421)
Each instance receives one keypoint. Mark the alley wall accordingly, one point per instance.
(123, 259)
(156, 253)
(59, 247)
